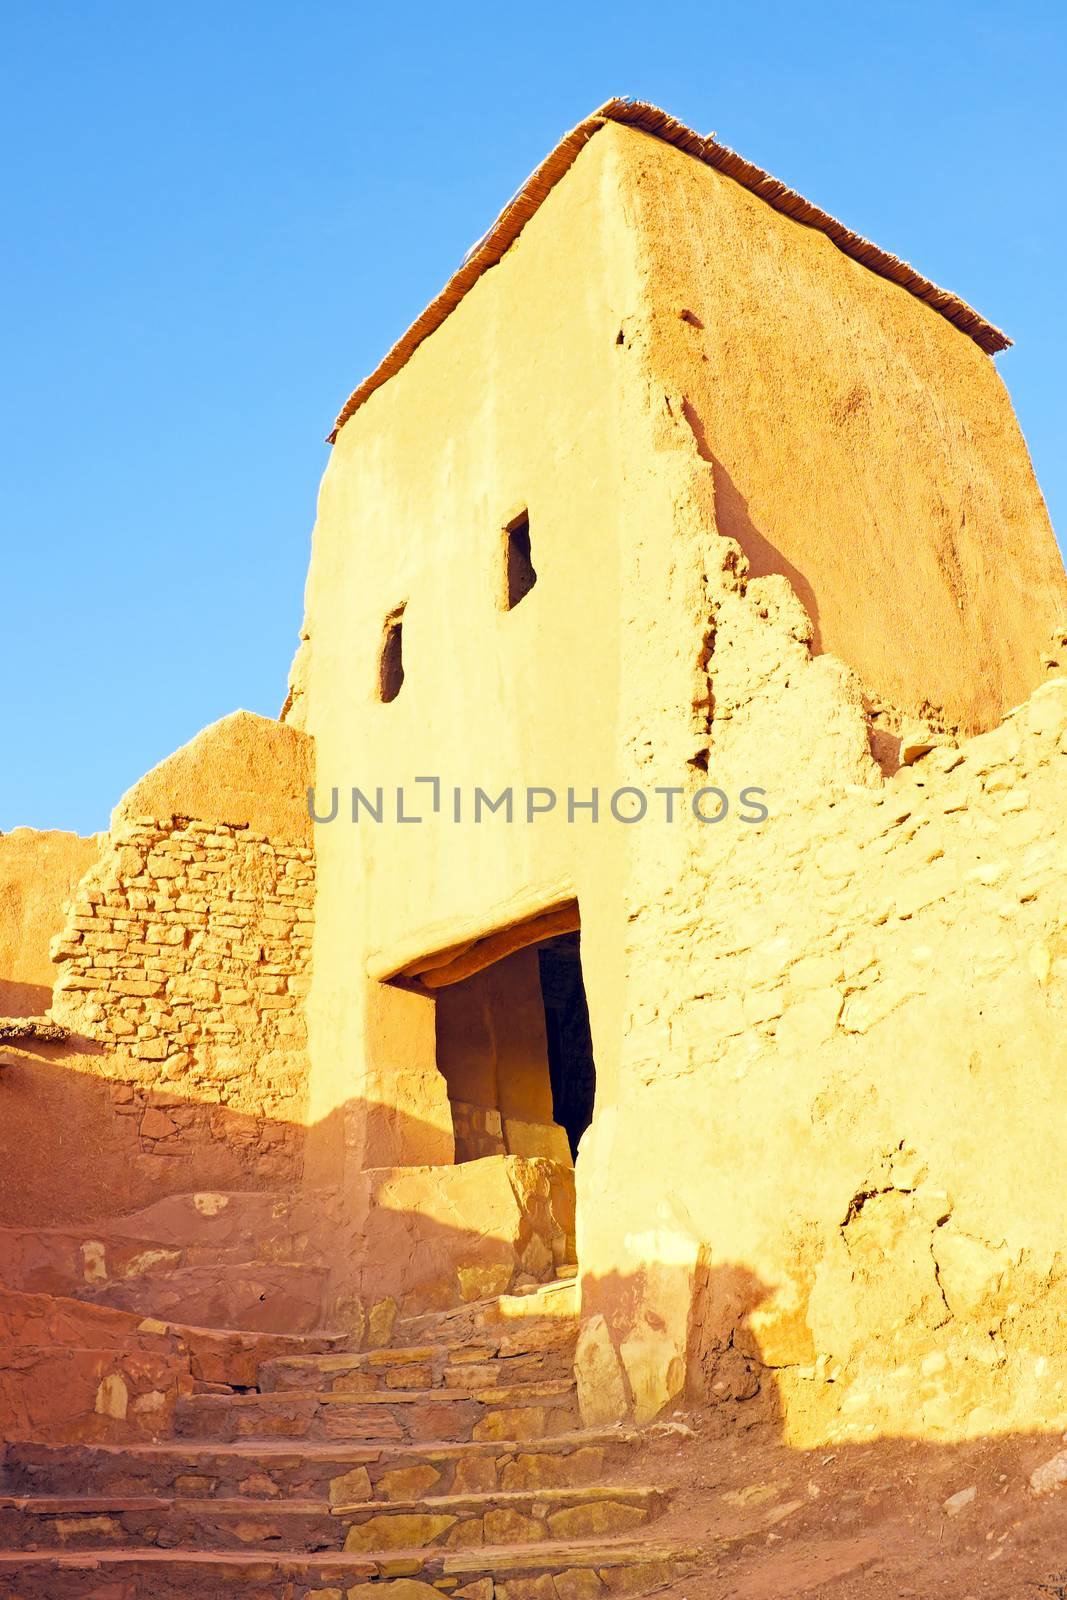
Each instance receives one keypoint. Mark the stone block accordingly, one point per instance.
(578, 1583)
(596, 1520)
(482, 1282)
(351, 1488)
(400, 1589)
(408, 1483)
(545, 1139)
(512, 1422)
(401, 1531)
(602, 1395)
(504, 1526)
(112, 1398)
(539, 1588)
(474, 1474)
(467, 1535)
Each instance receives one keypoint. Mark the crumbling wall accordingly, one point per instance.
(855, 442)
(181, 971)
(186, 956)
(821, 1174)
(828, 1174)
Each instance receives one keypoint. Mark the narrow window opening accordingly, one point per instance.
(391, 660)
(519, 573)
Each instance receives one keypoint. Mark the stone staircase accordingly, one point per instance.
(240, 1261)
(449, 1463)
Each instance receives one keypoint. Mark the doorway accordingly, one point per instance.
(571, 1071)
(515, 1049)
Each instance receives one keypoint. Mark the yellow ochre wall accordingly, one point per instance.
(521, 399)
(857, 443)
(808, 429)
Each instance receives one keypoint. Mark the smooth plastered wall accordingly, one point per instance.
(38, 874)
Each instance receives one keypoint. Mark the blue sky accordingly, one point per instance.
(217, 219)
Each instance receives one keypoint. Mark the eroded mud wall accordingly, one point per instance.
(39, 872)
(855, 442)
(180, 965)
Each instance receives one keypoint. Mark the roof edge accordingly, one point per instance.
(650, 119)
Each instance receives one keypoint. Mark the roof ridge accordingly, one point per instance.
(650, 119)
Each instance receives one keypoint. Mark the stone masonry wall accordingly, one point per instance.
(186, 957)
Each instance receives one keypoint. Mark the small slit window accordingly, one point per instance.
(391, 660)
(519, 572)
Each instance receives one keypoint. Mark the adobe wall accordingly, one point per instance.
(830, 1174)
(783, 1039)
(904, 513)
(856, 443)
(823, 1181)
(521, 399)
(180, 968)
(38, 874)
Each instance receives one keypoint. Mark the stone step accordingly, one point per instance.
(338, 1472)
(518, 1411)
(622, 1566)
(555, 1302)
(251, 1296)
(108, 1522)
(235, 1356)
(498, 1518)
(428, 1366)
(64, 1262)
(247, 1229)
(58, 1522)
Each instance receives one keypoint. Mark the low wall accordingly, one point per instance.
(38, 874)
(180, 965)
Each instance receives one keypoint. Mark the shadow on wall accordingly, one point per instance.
(891, 1513)
(779, 1519)
(76, 1144)
(23, 999)
(144, 1200)
(734, 522)
(80, 1146)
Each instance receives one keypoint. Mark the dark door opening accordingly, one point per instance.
(570, 1042)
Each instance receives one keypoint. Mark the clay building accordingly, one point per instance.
(681, 700)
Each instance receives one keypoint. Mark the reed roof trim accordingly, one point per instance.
(650, 119)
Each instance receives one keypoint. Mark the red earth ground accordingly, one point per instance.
(859, 1521)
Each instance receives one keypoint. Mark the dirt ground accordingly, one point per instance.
(875, 1521)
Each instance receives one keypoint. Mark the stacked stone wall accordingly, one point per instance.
(186, 959)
